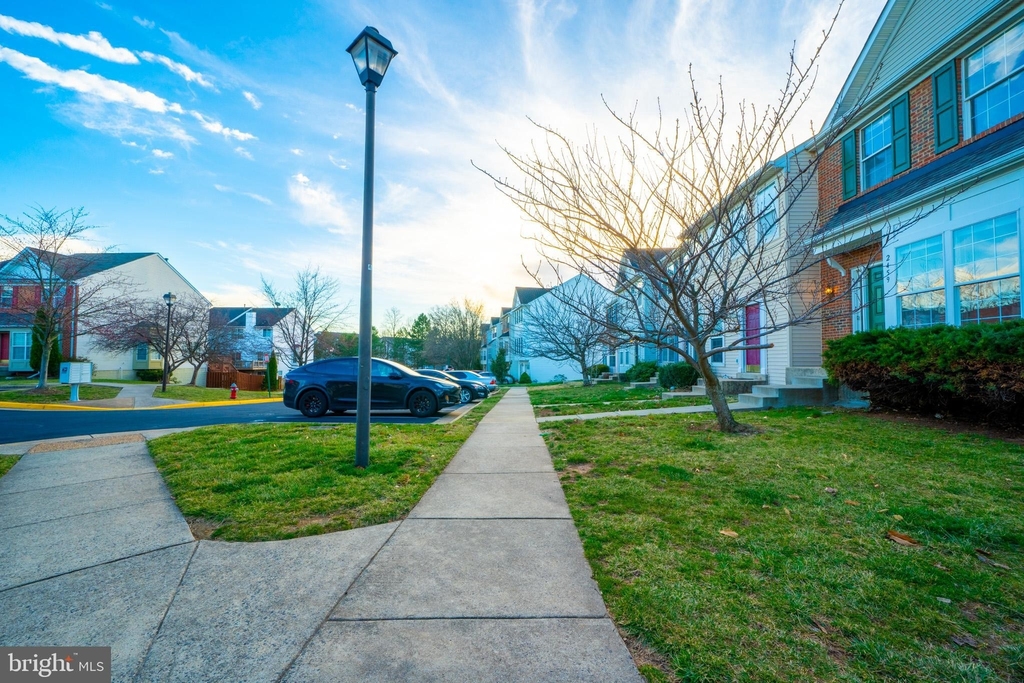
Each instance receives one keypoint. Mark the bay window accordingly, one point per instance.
(920, 281)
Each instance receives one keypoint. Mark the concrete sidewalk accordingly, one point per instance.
(133, 396)
(484, 581)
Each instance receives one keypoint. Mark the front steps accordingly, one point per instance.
(803, 387)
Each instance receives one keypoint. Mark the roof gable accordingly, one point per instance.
(907, 38)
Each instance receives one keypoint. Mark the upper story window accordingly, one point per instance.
(766, 206)
(6, 296)
(268, 333)
(920, 278)
(876, 151)
(994, 80)
(142, 352)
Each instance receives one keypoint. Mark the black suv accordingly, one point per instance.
(330, 384)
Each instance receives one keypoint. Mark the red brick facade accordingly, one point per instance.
(837, 317)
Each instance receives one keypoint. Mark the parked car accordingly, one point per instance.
(330, 384)
(470, 390)
(472, 376)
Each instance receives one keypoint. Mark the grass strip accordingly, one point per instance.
(206, 395)
(272, 481)
(768, 557)
(7, 462)
(59, 394)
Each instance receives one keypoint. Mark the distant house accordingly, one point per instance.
(149, 275)
(244, 337)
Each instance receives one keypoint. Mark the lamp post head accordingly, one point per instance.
(170, 299)
(372, 53)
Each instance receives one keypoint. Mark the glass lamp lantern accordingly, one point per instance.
(371, 53)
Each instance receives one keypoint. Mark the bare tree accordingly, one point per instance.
(689, 222)
(454, 334)
(316, 310)
(394, 335)
(142, 321)
(63, 290)
(568, 323)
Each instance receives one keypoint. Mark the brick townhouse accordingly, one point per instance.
(920, 197)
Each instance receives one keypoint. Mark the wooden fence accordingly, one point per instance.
(246, 381)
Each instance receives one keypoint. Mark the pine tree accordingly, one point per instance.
(272, 373)
(500, 366)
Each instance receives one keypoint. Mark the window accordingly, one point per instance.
(920, 277)
(738, 219)
(6, 296)
(717, 343)
(268, 332)
(624, 357)
(994, 80)
(766, 206)
(142, 352)
(986, 260)
(876, 151)
(20, 344)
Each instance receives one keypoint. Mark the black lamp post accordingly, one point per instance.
(372, 53)
(169, 299)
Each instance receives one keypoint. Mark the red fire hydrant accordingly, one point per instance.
(234, 391)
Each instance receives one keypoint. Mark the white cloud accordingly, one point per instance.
(156, 171)
(351, 106)
(145, 23)
(252, 99)
(87, 83)
(217, 127)
(132, 143)
(103, 5)
(92, 43)
(160, 154)
(297, 152)
(243, 152)
(180, 69)
(318, 204)
(340, 163)
(251, 195)
(122, 121)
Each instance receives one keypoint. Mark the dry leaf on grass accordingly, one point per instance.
(730, 533)
(831, 491)
(792, 497)
(787, 512)
(938, 565)
(986, 558)
(902, 539)
(964, 639)
(898, 518)
(851, 502)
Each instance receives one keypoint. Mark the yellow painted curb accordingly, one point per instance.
(211, 404)
(46, 406)
(195, 404)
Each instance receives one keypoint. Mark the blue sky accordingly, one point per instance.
(229, 136)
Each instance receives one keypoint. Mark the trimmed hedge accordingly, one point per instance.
(677, 375)
(975, 371)
(525, 378)
(642, 371)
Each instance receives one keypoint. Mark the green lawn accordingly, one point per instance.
(204, 395)
(7, 462)
(575, 399)
(272, 481)
(58, 393)
(810, 588)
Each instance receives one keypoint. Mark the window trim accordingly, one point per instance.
(864, 159)
(968, 112)
(954, 300)
(898, 295)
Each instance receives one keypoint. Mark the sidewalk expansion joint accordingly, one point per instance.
(82, 514)
(98, 564)
(79, 483)
(167, 609)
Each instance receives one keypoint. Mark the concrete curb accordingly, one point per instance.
(194, 404)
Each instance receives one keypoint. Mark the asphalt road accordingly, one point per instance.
(31, 425)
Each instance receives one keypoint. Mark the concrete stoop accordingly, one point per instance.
(803, 387)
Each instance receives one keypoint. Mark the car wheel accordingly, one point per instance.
(313, 403)
(465, 395)
(422, 404)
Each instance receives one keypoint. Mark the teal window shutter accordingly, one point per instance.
(947, 129)
(849, 165)
(899, 112)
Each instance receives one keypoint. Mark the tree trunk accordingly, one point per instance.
(716, 393)
(44, 363)
(195, 374)
(583, 365)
